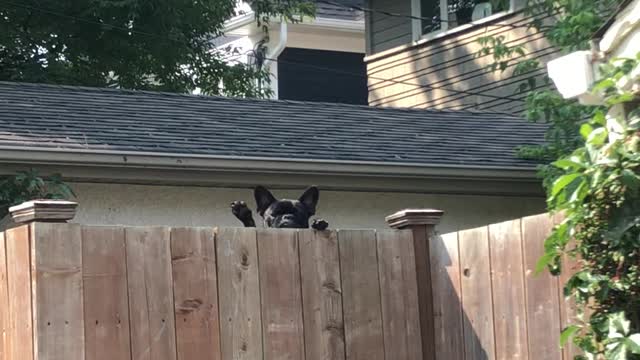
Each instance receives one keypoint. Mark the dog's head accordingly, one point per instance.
(285, 213)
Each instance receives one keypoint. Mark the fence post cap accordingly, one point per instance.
(410, 217)
(44, 211)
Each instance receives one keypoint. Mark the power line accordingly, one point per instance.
(336, 71)
(424, 86)
(432, 21)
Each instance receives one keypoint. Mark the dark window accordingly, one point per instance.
(303, 75)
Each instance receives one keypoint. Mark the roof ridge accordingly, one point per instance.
(218, 97)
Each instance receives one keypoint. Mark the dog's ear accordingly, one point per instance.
(310, 199)
(264, 199)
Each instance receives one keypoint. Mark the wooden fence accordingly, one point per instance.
(71, 292)
(489, 303)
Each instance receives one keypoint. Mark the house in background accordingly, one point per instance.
(152, 158)
(431, 59)
(303, 51)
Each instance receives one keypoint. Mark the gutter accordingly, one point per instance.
(280, 46)
(318, 22)
(239, 21)
(172, 161)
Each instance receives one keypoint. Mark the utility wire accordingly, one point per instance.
(336, 71)
(424, 86)
(432, 21)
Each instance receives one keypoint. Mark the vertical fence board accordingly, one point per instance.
(422, 257)
(508, 291)
(20, 344)
(543, 313)
(150, 294)
(568, 307)
(4, 301)
(568, 310)
(239, 289)
(195, 293)
(106, 302)
(399, 295)
(361, 295)
(476, 294)
(281, 302)
(56, 265)
(447, 307)
(321, 295)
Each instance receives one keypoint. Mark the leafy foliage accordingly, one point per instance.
(134, 44)
(599, 192)
(569, 29)
(594, 182)
(28, 185)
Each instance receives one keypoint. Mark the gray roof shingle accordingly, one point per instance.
(66, 117)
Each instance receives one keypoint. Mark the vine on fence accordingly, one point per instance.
(599, 193)
(595, 182)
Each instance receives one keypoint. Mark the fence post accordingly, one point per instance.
(44, 282)
(422, 222)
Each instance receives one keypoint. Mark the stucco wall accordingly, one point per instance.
(117, 204)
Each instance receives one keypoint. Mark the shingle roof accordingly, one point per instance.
(334, 11)
(66, 117)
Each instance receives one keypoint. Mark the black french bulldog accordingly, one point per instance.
(293, 214)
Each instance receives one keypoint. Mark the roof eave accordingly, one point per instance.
(119, 166)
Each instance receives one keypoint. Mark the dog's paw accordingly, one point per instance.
(242, 212)
(319, 224)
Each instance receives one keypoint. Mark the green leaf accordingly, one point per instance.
(580, 192)
(616, 351)
(599, 118)
(630, 179)
(604, 84)
(633, 343)
(568, 333)
(562, 182)
(569, 164)
(586, 130)
(597, 136)
(545, 261)
(618, 325)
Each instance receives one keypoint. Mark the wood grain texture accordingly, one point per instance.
(568, 307)
(510, 313)
(399, 295)
(239, 288)
(149, 281)
(4, 300)
(479, 341)
(321, 295)
(20, 334)
(543, 313)
(56, 272)
(106, 302)
(195, 293)
(361, 295)
(447, 306)
(280, 291)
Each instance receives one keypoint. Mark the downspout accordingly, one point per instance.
(274, 53)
